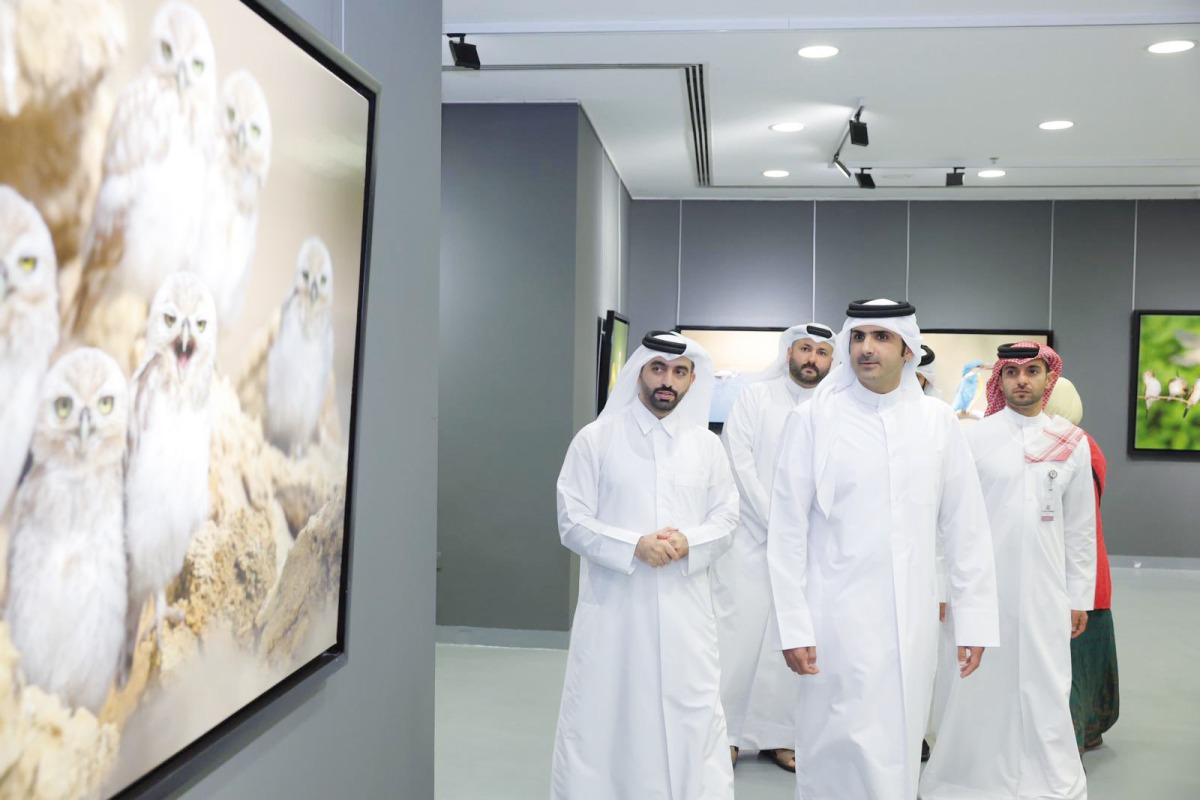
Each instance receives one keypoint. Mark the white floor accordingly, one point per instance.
(496, 709)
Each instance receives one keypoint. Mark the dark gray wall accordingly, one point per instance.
(508, 358)
(1070, 266)
(369, 728)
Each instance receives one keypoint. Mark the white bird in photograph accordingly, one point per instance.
(1193, 398)
(1153, 388)
(1177, 387)
(67, 590)
(1191, 341)
(166, 483)
(242, 161)
(149, 211)
(28, 327)
(301, 357)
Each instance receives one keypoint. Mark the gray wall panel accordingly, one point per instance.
(860, 254)
(746, 263)
(1093, 254)
(1168, 255)
(369, 728)
(508, 298)
(654, 261)
(980, 264)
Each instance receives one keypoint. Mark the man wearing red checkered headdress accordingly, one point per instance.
(1008, 733)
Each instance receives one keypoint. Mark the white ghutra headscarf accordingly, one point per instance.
(693, 408)
(809, 330)
(901, 319)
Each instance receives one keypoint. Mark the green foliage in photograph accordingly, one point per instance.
(1169, 347)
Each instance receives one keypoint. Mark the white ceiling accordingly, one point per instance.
(941, 89)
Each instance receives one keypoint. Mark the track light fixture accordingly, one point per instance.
(464, 55)
(837, 162)
(865, 181)
(858, 129)
(955, 178)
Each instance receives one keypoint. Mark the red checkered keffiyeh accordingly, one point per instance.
(995, 395)
(1055, 442)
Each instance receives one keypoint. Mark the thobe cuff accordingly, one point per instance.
(1083, 595)
(795, 629)
(606, 551)
(976, 627)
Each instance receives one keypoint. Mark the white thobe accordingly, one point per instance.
(758, 691)
(641, 715)
(860, 584)
(1007, 731)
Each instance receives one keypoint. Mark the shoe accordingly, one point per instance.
(783, 757)
(1093, 744)
(924, 751)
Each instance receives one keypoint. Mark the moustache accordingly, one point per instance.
(666, 389)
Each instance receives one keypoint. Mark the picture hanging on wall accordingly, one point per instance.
(614, 347)
(964, 364)
(1165, 384)
(185, 204)
(737, 354)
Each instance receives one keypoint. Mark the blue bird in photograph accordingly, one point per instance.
(968, 387)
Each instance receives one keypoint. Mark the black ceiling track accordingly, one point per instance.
(701, 138)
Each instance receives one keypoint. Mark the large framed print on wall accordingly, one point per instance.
(964, 359)
(614, 349)
(185, 204)
(737, 354)
(1165, 384)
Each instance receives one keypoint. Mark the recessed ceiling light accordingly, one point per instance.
(787, 127)
(818, 51)
(775, 173)
(1177, 46)
(990, 173)
(1056, 125)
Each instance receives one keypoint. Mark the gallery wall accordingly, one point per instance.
(369, 728)
(1078, 268)
(532, 243)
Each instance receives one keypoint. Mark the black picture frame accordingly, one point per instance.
(1140, 415)
(235, 731)
(298, 685)
(724, 396)
(612, 354)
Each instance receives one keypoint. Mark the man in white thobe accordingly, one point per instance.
(646, 499)
(758, 691)
(869, 469)
(1007, 734)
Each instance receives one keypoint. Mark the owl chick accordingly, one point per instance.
(166, 481)
(28, 328)
(149, 210)
(242, 160)
(301, 357)
(67, 591)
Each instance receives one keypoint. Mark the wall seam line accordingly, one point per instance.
(679, 268)
(907, 245)
(1133, 288)
(1050, 311)
(814, 262)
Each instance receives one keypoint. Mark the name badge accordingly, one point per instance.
(1048, 508)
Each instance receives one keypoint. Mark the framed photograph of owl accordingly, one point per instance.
(185, 205)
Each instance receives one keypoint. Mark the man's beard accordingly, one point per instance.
(807, 375)
(663, 404)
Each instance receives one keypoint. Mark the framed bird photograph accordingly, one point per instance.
(614, 346)
(185, 202)
(737, 354)
(1165, 384)
(963, 360)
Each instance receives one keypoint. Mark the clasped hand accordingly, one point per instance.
(661, 547)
